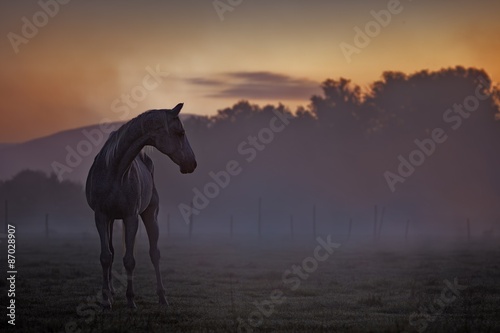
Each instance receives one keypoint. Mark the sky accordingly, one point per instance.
(91, 61)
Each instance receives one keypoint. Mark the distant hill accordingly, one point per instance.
(6, 145)
(45, 152)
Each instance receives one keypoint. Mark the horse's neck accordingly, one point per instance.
(131, 143)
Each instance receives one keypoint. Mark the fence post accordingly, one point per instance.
(381, 223)
(350, 229)
(468, 230)
(46, 225)
(168, 225)
(314, 222)
(191, 220)
(231, 226)
(407, 229)
(6, 215)
(259, 218)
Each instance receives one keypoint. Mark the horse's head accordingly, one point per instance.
(172, 141)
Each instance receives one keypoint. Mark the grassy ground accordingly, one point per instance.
(218, 285)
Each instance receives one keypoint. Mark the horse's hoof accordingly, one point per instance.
(163, 301)
(131, 305)
(106, 305)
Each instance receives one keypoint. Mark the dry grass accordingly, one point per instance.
(213, 284)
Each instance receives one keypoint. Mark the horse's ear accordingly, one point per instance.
(177, 109)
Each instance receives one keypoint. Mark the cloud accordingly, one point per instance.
(261, 76)
(205, 82)
(258, 86)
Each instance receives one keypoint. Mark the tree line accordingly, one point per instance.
(423, 144)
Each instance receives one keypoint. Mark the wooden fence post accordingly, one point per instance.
(46, 225)
(381, 223)
(231, 226)
(168, 225)
(407, 229)
(468, 230)
(259, 218)
(350, 229)
(191, 220)
(314, 222)
(6, 216)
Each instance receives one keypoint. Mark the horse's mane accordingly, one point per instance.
(116, 137)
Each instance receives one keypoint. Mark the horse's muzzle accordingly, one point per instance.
(189, 168)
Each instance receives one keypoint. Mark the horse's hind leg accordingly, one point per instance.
(102, 223)
(131, 224)
(112, 250)
(150, 219)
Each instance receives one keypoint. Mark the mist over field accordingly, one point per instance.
(339, 154)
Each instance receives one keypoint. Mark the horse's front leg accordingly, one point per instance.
(102, 223)
(149, 217)
(131, 224)
(112, 250)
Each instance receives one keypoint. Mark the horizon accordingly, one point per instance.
(71, 129)
(364, 90)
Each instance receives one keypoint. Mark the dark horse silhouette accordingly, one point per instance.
(120, 186)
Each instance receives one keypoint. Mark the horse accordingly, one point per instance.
(120, 185)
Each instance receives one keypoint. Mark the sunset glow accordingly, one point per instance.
(90, 53)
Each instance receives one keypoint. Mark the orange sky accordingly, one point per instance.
(90, 55)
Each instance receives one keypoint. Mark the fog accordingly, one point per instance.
(421, 148)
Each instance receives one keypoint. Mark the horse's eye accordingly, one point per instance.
(182, 133)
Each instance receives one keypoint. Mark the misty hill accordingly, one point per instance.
(6, 145)
(45, 152)
(39, 154)
(424, 145)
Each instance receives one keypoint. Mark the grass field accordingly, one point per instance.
(218, 285)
